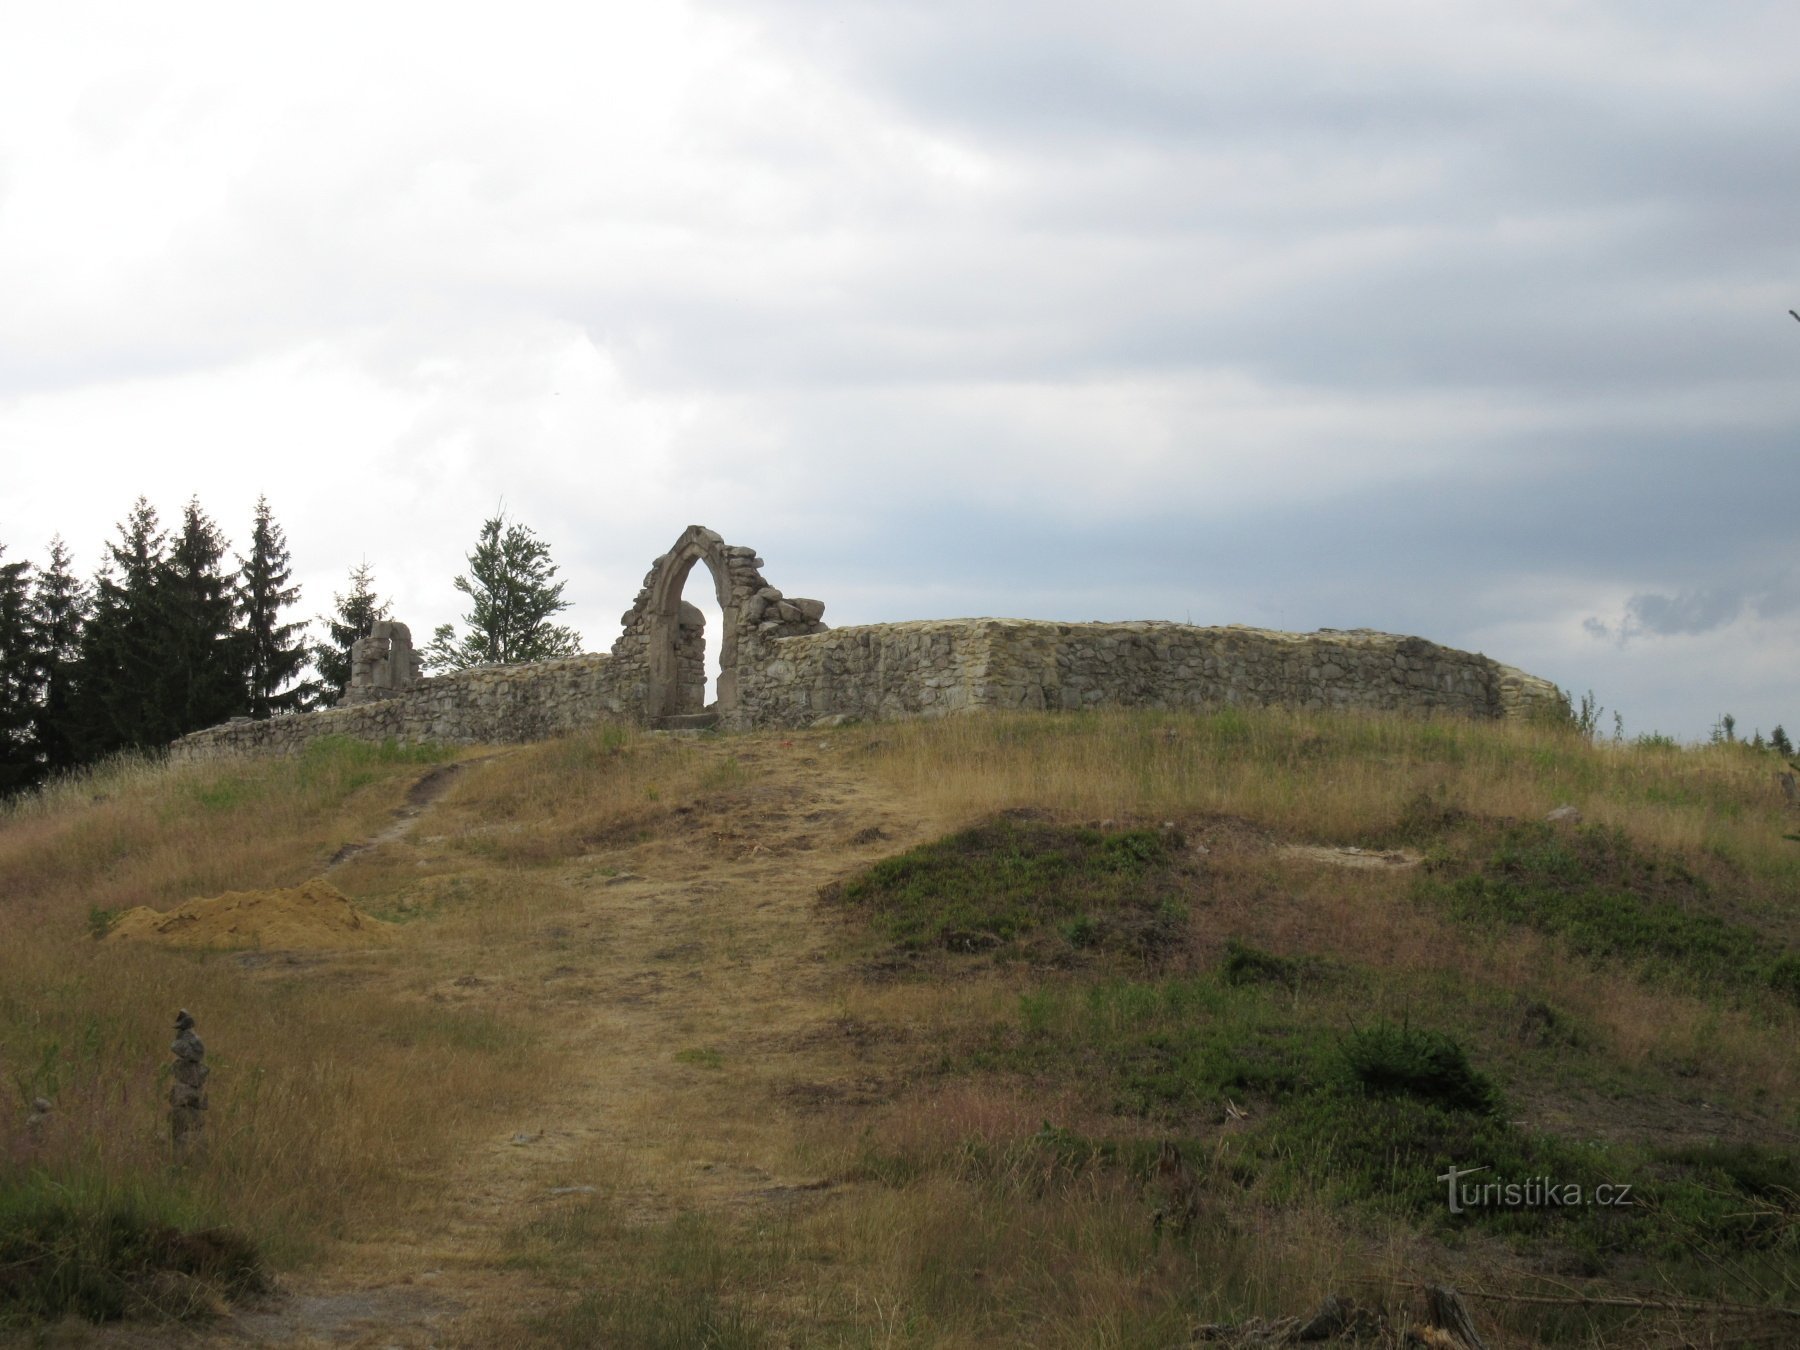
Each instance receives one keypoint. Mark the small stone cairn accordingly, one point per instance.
(187, 1096)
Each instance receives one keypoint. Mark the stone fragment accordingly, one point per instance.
(187, 1093)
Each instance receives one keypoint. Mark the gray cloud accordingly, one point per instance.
(1691, 613)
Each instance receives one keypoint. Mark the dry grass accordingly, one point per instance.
(1339, 778)
(694, 1042)
(330, 1094)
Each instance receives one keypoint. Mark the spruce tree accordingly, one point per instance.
(355, 616)
(203, 674)
(122, 648)
(59, 608)
(273, 652)
(514, 599)
(19, 662)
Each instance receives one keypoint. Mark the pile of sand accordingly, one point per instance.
(313, 914)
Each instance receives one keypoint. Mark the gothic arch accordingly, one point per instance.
(664, 639)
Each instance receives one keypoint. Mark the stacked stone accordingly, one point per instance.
(754, 613)
(187, 1095)
(930, 669)
(383, 664)
(782, 667)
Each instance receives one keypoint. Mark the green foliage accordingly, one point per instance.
(1388, 1060)
(273, 651)
(353, 616)
(1752, 1169)
(1371, 1119)
(103, 1251)
(1244, 964)
(1784, 977)
(1603, 899)
(1026, 886)
(514, 598)
(200, 675)
(1587, 715)
(1167, 1048)
(120, 661)
(19, 677)
(60, 605)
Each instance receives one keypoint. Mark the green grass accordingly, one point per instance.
(1362, 1118)
(103, 1250)
(1603, 898)
(677, 1284)
(1029, 888)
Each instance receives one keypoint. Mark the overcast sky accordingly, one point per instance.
(1463, 320)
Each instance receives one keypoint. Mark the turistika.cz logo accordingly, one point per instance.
(1532, 1193)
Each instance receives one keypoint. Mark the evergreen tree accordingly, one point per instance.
(203, 678)
(1779, 743)
(19, 643)
(514, 599)
(355, 617)
(122, 651)
(273, 653)
(59, 608)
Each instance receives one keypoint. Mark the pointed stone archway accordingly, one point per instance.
(663, 648)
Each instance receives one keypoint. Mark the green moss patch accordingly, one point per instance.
(1029, 888)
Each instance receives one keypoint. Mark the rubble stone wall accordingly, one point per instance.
(781, 666)
(933, 668)
(936, 667)
(486, 705)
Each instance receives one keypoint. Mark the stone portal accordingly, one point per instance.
(662, 652)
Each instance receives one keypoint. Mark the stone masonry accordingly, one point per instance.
(780, 666)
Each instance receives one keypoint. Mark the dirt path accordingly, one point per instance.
(695, 1020)
(430, 785)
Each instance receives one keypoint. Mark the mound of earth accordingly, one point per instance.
(313, 914)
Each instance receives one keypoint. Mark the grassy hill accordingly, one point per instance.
(1036, 1031)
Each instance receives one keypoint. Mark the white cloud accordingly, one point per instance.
(889, 291)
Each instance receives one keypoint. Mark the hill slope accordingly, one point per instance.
(1032, 1031)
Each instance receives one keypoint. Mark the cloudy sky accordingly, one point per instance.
(1464, 320)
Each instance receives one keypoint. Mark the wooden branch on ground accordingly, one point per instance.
(1596, 1301)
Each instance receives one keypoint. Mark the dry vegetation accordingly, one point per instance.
(643, 1065)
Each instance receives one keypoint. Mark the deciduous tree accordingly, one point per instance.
(511, 584)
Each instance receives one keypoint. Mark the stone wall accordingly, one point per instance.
(933, 668)
(488, 704)
(780, 666)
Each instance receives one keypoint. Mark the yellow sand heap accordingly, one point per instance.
(313, 914)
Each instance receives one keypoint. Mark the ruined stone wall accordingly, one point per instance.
(780, 666)
(933, 668)
(472, 707)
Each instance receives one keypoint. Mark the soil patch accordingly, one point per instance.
(314, 914)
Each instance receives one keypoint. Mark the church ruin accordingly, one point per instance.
(780, 665)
